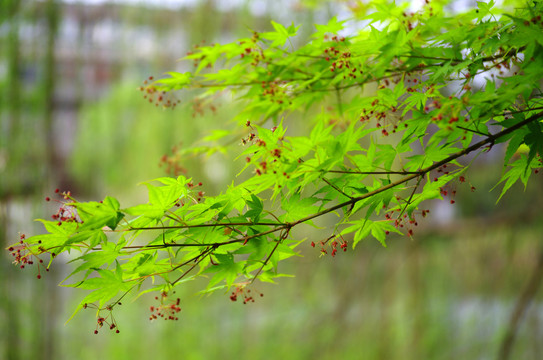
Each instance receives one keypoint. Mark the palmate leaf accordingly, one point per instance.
(332, 27)
(227, 269)
(516, 141)
(96, 215)
(534, 140)
(167, 195)
(161, 198)
(297, 207)
(520, 170)
(58, 234)
(270, 275)
(106, 288)
(281, 34)
(255, 208)
(365, 227)
(257, 249)
(282, 252)
(93, 237)
(145, 264)
(96, 260)
(176, 81)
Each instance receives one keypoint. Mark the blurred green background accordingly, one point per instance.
(72, 118)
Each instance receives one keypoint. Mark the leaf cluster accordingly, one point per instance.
(395, 102)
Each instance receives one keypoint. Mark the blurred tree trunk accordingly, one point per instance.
(56, 171)
(12, 95)
(9, 12)
(11, 343)
(389, 292)
(416, 301)
(49, 76)
(521, 307)
(205, 29)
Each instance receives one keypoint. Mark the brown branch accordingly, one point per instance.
(471, 130)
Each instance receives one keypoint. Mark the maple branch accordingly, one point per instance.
(278, 226)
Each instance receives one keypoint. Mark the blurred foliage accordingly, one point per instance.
(123, 138)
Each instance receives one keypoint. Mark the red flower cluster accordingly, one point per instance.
(333, 242)
(24, 256)
(153, 95)
(109, 320)
(166, 310)
(244, 293)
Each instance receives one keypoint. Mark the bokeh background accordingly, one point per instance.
(71, 117)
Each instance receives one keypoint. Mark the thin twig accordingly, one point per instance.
(473, 131)
(410, 197)
(201, 257)
(281, 238)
